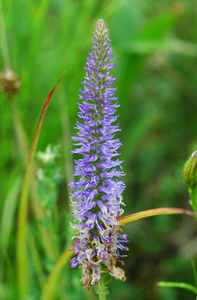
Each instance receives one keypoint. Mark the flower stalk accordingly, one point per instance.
(4, 45)
(97, 185)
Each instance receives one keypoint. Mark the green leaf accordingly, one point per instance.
(21, 247)
(52, 281)
(194, 270)
(167, 45)
(137, 131)
(9, 211)
(154, 212)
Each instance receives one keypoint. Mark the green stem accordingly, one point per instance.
(181, 285)
(101, 287)
(101, 296)
(4, 46)
(194, 270)
(193, 196)
(153, 212)
(20, 134)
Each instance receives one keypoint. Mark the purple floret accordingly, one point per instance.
(98, 188)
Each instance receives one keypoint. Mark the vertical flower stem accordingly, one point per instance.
(101, 288)
(194, 270)
(193, 196)
(4, 46)
(19, 132)
(102, 295)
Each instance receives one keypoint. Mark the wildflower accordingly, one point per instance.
(98, 189)
(49, 155)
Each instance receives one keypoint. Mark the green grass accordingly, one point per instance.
(155, 47)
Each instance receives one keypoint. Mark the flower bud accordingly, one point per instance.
(190, 177)
(190, 171)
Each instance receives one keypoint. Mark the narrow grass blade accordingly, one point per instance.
(36, 204)
(21, 246)
(36, 259)
(158, 26)
(154, 212)
(9, 211)
(10, 275)
(52, 281)
(180, 285)
(66, 132)
(137, 131)
(173, 46)
(194, 271)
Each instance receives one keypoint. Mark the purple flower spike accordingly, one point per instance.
(98, 187)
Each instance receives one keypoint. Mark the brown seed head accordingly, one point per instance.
(10, 82)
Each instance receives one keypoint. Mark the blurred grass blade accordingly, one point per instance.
(52, 281)
(10, 275)
(36, 205)
(21, 247)
(4, 46)
(66, 132)
(154, 212)
(137, 131)
(19, 134)
(9, 210)
(158, 26)
(156, 29)
(194, 271)
(180, 285)
(173, 46)
(36, 259)
(152, 37)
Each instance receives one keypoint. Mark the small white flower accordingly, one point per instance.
(46, 156)
(39, 174)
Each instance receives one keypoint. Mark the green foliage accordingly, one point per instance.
(155, 51)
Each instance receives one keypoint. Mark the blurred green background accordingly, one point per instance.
(155, 47)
